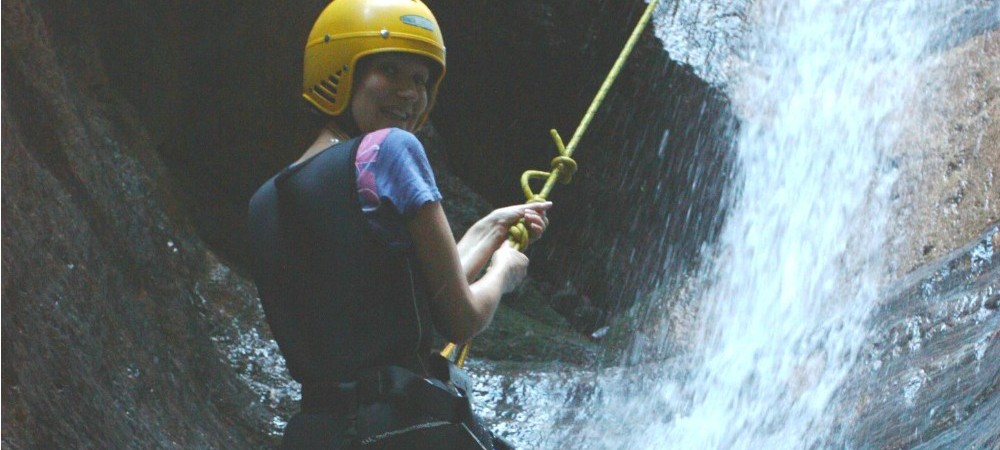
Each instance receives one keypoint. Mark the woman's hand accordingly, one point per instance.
(511, 264)
(533, 214)
(487, 235)
(461, 309)
(536, 222)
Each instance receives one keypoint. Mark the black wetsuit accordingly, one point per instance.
(349, 313)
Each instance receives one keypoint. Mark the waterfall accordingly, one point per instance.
(754, 349)
(819, 87)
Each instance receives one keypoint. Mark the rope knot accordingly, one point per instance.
(565, 167)
(519, 235)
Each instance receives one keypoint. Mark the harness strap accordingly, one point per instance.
(396, 385)
(339, 399)
(427, 395)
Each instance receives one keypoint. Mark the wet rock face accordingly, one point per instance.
(652, 165)
(928, 378)
(949, 157)
(221, 107)
(104, 332)
(516, 69)
(133, 134)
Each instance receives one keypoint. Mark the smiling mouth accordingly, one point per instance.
(396, 114)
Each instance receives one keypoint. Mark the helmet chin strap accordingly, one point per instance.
(336, 134)
(343, 126)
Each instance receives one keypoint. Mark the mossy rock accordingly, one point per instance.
(526, 329)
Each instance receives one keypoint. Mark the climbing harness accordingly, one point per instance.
(563, 166)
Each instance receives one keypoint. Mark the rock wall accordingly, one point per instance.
(134, 133)
(949, 158)
(105, 337)
(929, 377)
(220, 105)
(652, 165)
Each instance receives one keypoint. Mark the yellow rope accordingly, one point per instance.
(563, 166)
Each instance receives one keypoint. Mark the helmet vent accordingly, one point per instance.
(327, 95)
(332, 87)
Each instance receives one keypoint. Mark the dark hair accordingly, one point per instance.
(319, 119)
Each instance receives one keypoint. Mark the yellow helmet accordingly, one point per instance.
(348, 30)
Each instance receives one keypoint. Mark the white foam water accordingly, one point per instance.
(819, 87)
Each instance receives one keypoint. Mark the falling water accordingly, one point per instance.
(799, 261)
(769, 327)
(819, 87)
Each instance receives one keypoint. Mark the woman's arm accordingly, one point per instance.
(460, 310)
(486, 235)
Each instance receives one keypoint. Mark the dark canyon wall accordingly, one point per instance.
(134, 133)
(217, 88)
(652, 166)
(104, 337)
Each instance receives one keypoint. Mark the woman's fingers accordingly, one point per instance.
(511, 214)
(533, 214)
(513, 263)
(539, 207)
(536, 221)
(509, 244)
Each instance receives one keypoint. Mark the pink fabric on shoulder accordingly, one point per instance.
(366, 157)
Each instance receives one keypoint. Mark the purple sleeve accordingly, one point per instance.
(394, 180)
(403, 174)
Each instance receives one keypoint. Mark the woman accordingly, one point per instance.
(354, 258)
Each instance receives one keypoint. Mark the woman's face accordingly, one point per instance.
(390, 90)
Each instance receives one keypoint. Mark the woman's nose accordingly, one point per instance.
(407, 85)
(408, 90)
